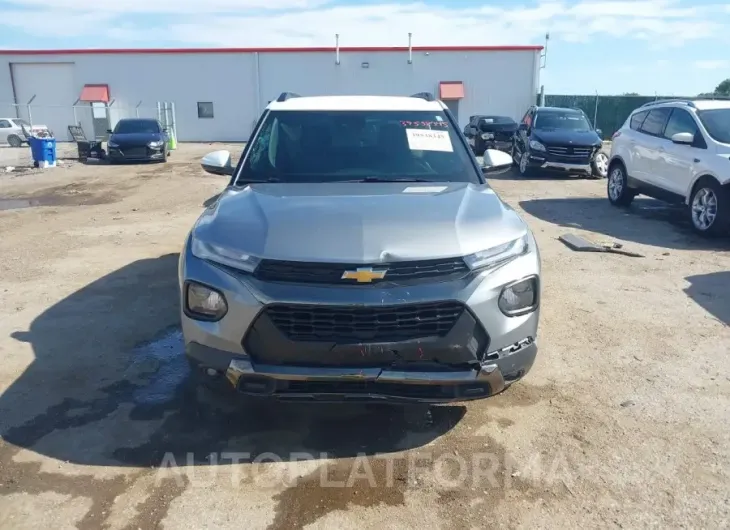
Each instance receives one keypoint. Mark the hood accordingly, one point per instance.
(135, 138)
(566, 137)
(359, 222)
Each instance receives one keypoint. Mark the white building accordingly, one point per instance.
(219, 93)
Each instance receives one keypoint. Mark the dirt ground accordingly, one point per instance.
(622, 422)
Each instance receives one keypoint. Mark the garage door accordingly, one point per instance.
(53, 86)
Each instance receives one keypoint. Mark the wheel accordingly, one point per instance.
(524, 165)
(599, 165)
(619, 193)
(709, 208)
(165, 154)
(14, 140)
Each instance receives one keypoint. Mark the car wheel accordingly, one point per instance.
(14, 140)
(709, 208)
(599, 166)
(524, 164)
(619, 193)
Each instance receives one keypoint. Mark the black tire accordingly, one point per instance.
(599, 166)
(523, 166)
(710, 197)
(165, 154)
(15, 141)
(617, 186)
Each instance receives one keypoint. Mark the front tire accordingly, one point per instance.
(524, 164)
(617, 186)
(599, 165)
(709, 208)
(14, 140)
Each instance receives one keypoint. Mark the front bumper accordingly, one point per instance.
(484, 351)
(548, 162)
(135, 153)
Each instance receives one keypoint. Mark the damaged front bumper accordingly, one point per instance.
(375, 384)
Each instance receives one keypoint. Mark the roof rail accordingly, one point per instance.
(424, 95)
(287, 95)
(658, 101)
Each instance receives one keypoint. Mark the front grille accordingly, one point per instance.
(346, 324)
(135, 152)
(331, 273)
(571, 152)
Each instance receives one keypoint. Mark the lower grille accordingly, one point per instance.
(345, 324)
(135, 152)
(331, 273)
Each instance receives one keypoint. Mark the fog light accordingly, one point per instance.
(520, 297)
(204, 303)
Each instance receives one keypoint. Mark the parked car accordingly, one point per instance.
(138, 139)
(11, 131)
(358, 253)
(677, 151)
(559, 140)
(490, 132)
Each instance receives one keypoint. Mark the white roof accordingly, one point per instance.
(705, 104)
(356, 103)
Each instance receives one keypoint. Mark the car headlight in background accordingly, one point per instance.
(203, 302)
(492, 257)
(155, 144)
(520, 297)
(487, 136)
(224, 256)
(536, 146)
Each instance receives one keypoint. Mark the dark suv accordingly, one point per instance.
(490, 132)
(558, 139)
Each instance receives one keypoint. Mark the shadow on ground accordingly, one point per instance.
(672, 229)
(712, 292)
(97, 395)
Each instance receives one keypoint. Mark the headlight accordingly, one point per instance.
(224, 256)
(498, 255)
(204, 303)
(536, 146)
(519, 298)
(154, 144)
(112, 144)
(487, 136)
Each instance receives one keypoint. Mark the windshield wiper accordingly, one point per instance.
(257, 181)
(386, 179)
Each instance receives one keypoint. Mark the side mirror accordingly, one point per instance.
(599, 132)
(109, 131)
(218, 163)
(496, 161)
(683, 138)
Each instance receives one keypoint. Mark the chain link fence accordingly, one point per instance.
(607, 113)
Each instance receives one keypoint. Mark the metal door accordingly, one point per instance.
(100, 118)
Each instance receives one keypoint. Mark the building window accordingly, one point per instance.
(205, 109)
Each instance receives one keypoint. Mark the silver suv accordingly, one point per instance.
(358, 254)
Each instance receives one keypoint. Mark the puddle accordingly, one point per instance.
(163, 361)
(79, 199)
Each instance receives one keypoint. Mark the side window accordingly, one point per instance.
(637, 119)
(654, 122)
(5, 124)
(205, 110)
(680, 121)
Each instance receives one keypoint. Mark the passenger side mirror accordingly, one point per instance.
(496, 161)
(599, 132)
(218, 163)
(109, 131)
(683, 138)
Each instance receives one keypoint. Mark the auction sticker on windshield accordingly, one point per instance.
(428, 140)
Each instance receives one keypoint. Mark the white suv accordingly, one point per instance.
(677, 151)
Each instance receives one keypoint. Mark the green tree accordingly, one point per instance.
(723, 89)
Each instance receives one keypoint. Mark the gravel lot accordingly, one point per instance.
(623, 421)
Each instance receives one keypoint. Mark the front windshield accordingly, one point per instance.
(573, 121)
(137, 126)
(337, 146)
(717, 123)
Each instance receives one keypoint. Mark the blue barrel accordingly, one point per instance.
(43, 151)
